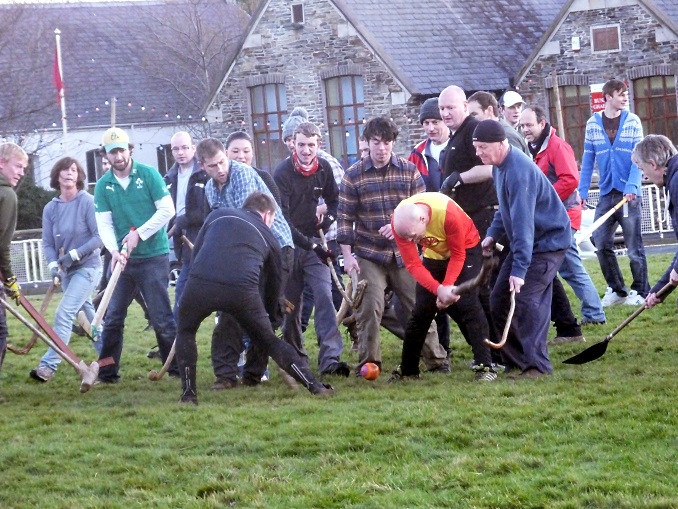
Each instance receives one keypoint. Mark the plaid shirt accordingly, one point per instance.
(367, 198)
(243, 181)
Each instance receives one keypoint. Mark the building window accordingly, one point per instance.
(95, 169)
(165, 158)
(605, 38)
(269, 104)
(575, 101)
(655, 103)
(345, 104)
(298, 14)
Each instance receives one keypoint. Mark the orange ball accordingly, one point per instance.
(370, 371)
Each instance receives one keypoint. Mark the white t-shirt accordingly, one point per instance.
(436, 149)
(182, 187)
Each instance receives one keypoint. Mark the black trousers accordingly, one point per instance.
(244, 305)
(228, 342)
(561, 312)
(467, 312)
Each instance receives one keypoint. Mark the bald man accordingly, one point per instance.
(446, 234)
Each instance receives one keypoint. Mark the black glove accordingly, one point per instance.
(325, 224)
(67, 260)
(451, 183)
(12, 289)
(324, 254)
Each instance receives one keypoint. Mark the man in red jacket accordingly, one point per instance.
(555, 158)
(446, 233)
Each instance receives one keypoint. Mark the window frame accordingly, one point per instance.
(352, 127)
(583, 108)
(649, 120)
(616, 26)
(262, 134)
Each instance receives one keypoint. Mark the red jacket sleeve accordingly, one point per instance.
(457, 233)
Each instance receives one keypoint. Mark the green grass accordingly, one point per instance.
(601, 435)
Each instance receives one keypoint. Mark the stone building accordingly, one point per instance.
(348, 60)
(590, 42)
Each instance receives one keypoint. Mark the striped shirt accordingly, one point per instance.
(243, 181)
(367, 198)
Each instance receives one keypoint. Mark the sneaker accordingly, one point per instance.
(612, 298)
(42, 373)
(634, 299)
(444, 368)
(222, 384)
(189, 396)
(149, 326)
(397, 376)
(154, 353)
(339, 369)
(321, 389)
(496, 367)
(585, 322)
(562, 340)
(484, 374)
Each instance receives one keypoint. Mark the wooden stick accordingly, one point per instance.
(43, 309)
(187, 242)
(583, 235)
(335, 278)
(501, 343)
(154, 375)
(108, 293)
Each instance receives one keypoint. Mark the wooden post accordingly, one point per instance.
(559, 110)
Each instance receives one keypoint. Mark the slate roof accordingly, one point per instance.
(476, 44)
(108, 50)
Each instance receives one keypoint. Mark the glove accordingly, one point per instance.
(12, 289)
(451, 183)
(180, 223)
(324, 254)
(326, 222)
(67, 260)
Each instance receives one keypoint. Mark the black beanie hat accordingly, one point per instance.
(429, 110)
(489, 131)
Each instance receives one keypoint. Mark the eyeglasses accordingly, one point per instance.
(181, 149)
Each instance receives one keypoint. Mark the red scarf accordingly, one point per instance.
(305, 169)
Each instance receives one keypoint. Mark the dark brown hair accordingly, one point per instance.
(63, 164)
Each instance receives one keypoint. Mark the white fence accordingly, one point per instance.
(28, 261)
(655, 218)
(30, 266)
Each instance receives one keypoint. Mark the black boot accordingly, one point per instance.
(304, 376)
(190, 392)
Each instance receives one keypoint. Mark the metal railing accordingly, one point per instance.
(28, 261)
(655, 217)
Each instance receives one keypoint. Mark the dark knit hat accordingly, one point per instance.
(298, 116)
(429, 110)
(489, 131)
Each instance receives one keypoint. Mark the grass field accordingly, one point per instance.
(601, 435)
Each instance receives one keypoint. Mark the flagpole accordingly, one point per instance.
(62, 95)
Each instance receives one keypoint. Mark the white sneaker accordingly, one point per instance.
(634, 299)
(611, 298)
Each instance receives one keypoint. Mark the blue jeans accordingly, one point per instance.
(151, 276)
(308, 268)
(572, 270)
(603, 238)
(77, 286)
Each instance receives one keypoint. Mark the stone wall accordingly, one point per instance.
(299, 55)
(643, 43)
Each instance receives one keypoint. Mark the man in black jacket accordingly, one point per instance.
(185, 181)
(303, 178)
(236, 269)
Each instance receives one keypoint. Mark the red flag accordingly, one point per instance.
(56, 76)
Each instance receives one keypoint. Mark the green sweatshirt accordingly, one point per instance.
(8, 213)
